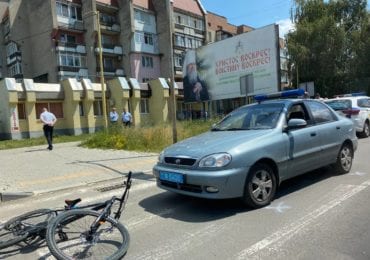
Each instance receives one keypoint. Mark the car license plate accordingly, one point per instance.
(171, 176)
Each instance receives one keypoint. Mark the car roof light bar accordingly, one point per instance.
(281, 94)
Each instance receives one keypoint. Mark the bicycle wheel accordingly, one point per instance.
(19, 228)
(68, 237)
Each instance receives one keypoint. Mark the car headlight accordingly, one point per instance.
(215, 160)
(161, 157)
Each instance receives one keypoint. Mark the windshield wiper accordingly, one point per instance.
(236, 129)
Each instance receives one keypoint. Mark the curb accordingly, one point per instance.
(8, 196)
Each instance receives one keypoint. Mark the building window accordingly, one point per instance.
(67, 38)
(81, 109)
(69, 11)
(15, 69)
(147, 61)
(178, 61)
(11, 48)
(106, 39)
(108, 63)
(145, 80)
(144, 106)
(21, 107)
(142, 17)
(144, 38)
(148, 38)
(55, 107)
(98, 108)
(107, 19)
(71, 59)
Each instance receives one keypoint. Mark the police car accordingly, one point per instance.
(252, 150)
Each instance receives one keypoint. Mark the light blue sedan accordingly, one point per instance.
(256, 147)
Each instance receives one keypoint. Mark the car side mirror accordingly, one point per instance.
(296, 123)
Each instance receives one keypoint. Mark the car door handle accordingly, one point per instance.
(338, 127)
(313, 134)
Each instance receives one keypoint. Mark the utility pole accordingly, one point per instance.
(172, 76)
(104, 101)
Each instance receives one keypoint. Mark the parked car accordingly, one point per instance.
(357, 108)
(255, 148)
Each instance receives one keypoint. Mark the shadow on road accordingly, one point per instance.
(192, 209)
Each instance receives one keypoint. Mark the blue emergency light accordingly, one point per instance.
(282, 94)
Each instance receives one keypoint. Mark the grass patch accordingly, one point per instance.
(144, 139)
(10, 144)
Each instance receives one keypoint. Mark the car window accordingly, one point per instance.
(339, 104)
(363, 102)
(258, 116)
(320, 112)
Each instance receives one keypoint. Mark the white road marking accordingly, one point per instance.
(358, 173)
(275, 240)
(280, 208)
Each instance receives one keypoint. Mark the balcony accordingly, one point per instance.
(14, 57)
(71, 47)
(111, 72)
(110, 49)
(72, 26)
(72, 71)
(110, 28)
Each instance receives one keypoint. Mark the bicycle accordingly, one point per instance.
(86, 233)
(54, 226)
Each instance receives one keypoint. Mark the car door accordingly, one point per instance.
(331, 132)
(304, 144)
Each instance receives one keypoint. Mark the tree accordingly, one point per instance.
(329, 39)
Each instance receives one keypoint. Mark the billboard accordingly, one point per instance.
(244, 65)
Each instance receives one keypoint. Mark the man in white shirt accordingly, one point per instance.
(126, 118)
(113, 115)
(49, 120)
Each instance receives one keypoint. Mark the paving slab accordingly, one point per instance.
(37, 170)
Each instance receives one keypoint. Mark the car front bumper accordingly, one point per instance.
(222, 184)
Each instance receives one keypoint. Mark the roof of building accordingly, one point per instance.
(192, 6)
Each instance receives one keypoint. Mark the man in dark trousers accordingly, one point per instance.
(49, 120)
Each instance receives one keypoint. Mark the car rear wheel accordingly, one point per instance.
(366, 131)
(344, 160)
(260, 186)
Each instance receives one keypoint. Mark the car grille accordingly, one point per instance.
(184, 187)
(180, 161)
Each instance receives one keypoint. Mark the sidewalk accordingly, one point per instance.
(34, 170)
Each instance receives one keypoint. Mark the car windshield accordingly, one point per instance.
(340, 104)
(363, 102)
(252, 117)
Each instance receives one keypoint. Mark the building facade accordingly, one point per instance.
(58, 43)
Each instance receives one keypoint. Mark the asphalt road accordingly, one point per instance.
(320, 215)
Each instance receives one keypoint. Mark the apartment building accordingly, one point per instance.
(218, 28)
(189, 19)
(51, 40)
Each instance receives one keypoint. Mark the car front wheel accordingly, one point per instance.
(260, 186)
(344, 160)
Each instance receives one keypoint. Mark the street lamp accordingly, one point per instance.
(104, 101)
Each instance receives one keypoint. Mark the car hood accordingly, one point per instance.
(213, 142)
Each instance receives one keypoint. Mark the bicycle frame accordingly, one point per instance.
(104, 214)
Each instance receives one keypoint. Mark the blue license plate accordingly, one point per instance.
(171, 176)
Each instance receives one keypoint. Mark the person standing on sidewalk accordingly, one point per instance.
(49, 121)
(113, 115)
(126, 118)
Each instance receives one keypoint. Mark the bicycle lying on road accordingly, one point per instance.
(89, 231)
